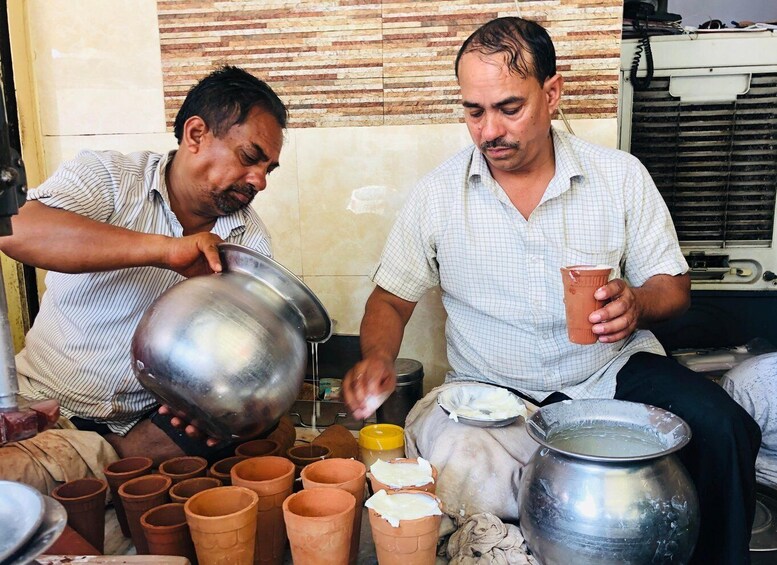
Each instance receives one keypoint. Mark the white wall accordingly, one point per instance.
(695, 12)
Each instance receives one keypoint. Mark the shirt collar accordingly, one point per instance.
(567, 163)
(225, 226)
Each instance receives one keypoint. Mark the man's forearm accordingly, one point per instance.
(383, 325)
(63, 241)
(662, 297)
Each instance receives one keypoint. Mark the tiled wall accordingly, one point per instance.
(103, 81)
(378, 62)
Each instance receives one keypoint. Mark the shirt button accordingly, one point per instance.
(546, 335)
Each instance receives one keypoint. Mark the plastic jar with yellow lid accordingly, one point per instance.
(381, 441)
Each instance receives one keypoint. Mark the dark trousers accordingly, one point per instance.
(720, 456)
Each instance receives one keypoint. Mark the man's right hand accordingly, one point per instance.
(179, 421)
(194, 255)
(367, 385)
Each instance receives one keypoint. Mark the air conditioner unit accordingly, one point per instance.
(706, 129)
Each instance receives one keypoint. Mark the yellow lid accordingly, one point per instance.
(380, 437)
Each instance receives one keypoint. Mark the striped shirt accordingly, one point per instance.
(499, 272)
(78, 350)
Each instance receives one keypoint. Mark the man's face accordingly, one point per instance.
(235, 166)
(508, 116)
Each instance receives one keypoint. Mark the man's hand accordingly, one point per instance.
(660, 298)
(193, 255)
(367, 385)
(617, 319)
(178, 421)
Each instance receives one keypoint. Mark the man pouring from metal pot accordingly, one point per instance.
(492, 226)
(115, 231)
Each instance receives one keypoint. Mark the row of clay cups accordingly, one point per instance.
(311, 520)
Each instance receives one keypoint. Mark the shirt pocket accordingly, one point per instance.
(594, 256)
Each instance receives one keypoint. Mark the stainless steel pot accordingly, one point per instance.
(228, 350)
(605, 487)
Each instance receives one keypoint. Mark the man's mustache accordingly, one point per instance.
(498, 143)
(246, 190)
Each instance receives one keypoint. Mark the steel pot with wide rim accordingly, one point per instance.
(228, 350)
(605, 487)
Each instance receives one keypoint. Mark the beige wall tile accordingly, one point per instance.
(61, 148)
(344, 298)
(352, 182)
(97, 66)
(278, 206)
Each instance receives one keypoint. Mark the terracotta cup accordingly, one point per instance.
(138, 496)
(580, 283)
(84, 501)
(185, 467)
(183, 491)
(167, 532)
(118, 473)
(340, 441)
(319, 523)
(221, 469)
(258, 448)
(222, 521)
(376, 485)
(345, 474)
(305, 454)
(413, 542)
(272, 478)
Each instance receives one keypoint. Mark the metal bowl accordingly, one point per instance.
(227, 351)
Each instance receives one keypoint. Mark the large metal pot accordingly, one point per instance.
(228, 350)
(605, 487)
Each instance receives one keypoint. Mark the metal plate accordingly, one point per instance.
(316, 323)
(764, 536)
(54, 522)
(450, 398)
(21, 513)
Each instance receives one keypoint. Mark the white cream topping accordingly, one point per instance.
(482, 403)
(402, 506)
(402, 474)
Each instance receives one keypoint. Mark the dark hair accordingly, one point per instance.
(225, 97)
(528, 48)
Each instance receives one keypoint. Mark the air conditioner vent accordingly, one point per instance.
(714, 163)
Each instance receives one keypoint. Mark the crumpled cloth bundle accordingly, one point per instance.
(484, 538)
(55, 456)
(478, 468)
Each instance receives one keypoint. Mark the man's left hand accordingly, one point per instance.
(618, 319)
(189, 429)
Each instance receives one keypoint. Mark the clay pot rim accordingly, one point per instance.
(189, 481)
(409, 491)
(211, 492)
(394, 489)
(144, 478)
(312, 492)
(147, 464)
(331, 462)
(167, 528)
(327, 453)
(270, 458)
(56, 493)
(256, 441)
(235, 458)
(202, 464)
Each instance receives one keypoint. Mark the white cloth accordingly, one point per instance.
(78, 350)
(753, 384)
(499, 273)
(485, 540)
(478, 469)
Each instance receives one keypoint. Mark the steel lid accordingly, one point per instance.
(408, 371)
(764, 534)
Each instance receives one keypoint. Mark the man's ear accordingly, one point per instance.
(194, 129)
(552, 91)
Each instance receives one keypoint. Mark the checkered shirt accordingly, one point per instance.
(499, 272)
